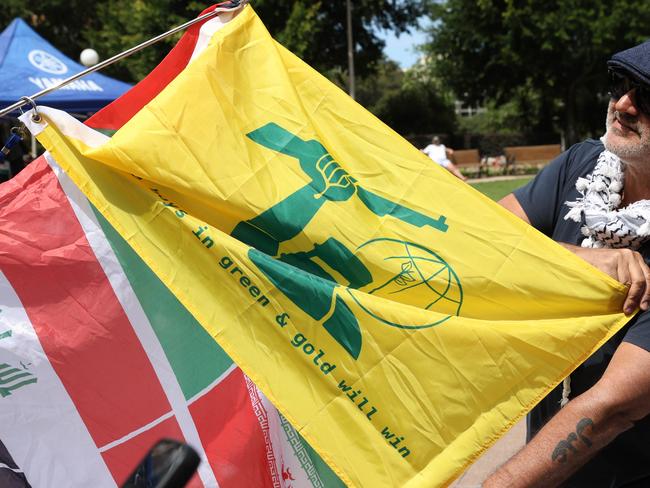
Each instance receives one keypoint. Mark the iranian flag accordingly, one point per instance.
(98, 360)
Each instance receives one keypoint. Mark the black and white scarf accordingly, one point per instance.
(605, 224)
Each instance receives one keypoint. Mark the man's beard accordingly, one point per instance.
(633, 152)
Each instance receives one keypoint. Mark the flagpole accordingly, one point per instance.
(27, 100)
(350, 49)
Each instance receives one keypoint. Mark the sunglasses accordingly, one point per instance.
(620, 84)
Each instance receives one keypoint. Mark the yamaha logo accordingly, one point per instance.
(46, 62)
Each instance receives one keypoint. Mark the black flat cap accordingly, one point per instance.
(634, 61)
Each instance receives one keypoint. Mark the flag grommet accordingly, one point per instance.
(36, 117)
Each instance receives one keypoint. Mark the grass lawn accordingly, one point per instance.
(496, 190)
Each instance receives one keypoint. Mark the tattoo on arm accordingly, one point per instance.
(580, 428)
(565, 446)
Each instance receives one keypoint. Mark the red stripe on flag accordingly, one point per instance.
(124, 108)
(231, 435)
(123, 459)
(81, 325)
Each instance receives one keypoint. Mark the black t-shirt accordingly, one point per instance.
(625, 462)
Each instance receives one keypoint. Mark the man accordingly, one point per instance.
(442, 155)
(595, 200)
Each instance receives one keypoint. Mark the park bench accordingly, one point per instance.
(468, 161)
(533, 155)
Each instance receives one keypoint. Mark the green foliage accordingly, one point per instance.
(557, 49)
(107, 26)
(126, 23)
(504, 124)
(296, 33)
(59, 21)
(416, 109)
(314, 30)
(497, 119)
(407, 101)
(388, 78)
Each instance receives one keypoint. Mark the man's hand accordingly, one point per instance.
(625, 266)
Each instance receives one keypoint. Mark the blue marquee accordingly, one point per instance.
(28, 64)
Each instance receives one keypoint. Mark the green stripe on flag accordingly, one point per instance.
(107, 132)
(195, 357)
(327, 476)
(319, 473)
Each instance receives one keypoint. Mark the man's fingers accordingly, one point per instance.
(634, 296)
(626, 266)
(623, 272)
(636, 277)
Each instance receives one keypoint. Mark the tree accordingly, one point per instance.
(557, 49)
(58, 21)
(108, 27)
(122, 24)
(416, 109)
(410, 102)
(314, 30)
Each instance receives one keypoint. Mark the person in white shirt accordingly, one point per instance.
(442, 155)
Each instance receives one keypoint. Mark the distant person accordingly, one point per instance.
(442, 155)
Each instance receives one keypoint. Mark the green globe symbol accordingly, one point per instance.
(411, 274)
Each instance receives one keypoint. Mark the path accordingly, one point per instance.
(505, 447)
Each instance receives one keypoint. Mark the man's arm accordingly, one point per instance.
(510, 202)
(584, 426)
(624, 265)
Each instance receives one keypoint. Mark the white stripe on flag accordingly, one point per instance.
(209, 388)
(137, 317)
(136, 432)
(208, 29)
(38, 415)
(66, 123)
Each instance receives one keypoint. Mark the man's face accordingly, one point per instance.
(628, 131)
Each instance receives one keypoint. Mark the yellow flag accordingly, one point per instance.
(399, 319)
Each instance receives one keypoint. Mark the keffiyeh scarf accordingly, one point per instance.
(605, 224)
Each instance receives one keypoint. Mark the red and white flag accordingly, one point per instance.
(98, 360)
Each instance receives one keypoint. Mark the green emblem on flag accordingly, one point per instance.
(13, 378)
(307, 277)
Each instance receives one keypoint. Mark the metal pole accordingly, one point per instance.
(117, 57)
(350, 49)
